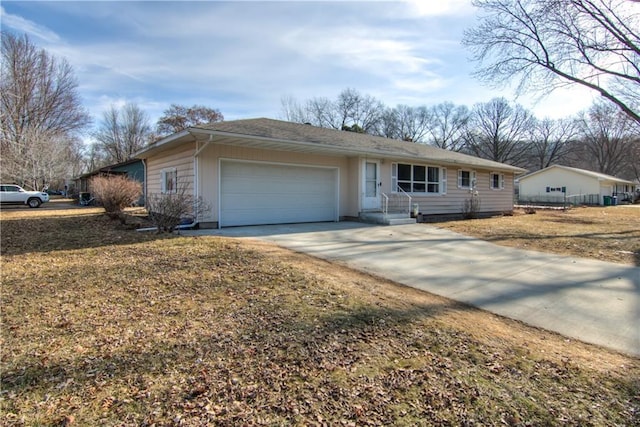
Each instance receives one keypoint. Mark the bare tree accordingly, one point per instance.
(448, 124)
(389, 124)
(551, 141)
(179, 117)
(609, 139)
(413, 123)
(40, 112)
(404, 122)
(633, 168)
(321, 112)
(122, 132)
(497, 131)
(550, 43)
(358, 112)
(351, 111)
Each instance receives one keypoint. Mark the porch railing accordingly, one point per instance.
(385, 204)
(398, 202)
(404, 193)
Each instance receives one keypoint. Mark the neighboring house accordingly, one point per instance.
(133, 169)
(263, 171)
(555, 183)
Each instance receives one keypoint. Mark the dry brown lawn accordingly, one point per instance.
(102, 325)
(603, 233)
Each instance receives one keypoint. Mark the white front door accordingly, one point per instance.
(371, 184)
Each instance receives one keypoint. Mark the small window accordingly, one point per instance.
(497, 181)
(466, 179)
(169, 181)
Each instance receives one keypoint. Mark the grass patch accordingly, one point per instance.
(606, 234)
(105, 326)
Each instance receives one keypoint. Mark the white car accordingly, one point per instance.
(11, 194)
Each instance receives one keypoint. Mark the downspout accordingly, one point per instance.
(196, 186)
(146, 180)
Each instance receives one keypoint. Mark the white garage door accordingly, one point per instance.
(262, 193)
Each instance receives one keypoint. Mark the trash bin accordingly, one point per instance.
(607, 200)
(614, 201)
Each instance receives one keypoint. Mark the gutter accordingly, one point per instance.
(357, 152)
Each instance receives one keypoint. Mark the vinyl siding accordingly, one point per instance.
(491, 200)
(350, 178)
(180, 158)
(575, 183)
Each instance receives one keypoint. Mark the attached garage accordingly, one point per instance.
(253, 193)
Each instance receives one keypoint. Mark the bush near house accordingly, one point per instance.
(115, 193)
(168, 210)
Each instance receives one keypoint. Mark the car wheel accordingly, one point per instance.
(34, 202)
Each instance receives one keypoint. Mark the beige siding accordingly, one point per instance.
(491, 200)
(180, 158)
(350, 178)
(354, 183)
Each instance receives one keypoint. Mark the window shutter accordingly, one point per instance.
(394, 177)
(163, 182)
(443, 181)
(459, 178)
(472, 177)
(502, 181)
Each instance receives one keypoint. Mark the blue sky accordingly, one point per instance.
(243, 57)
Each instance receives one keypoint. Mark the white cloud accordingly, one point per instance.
(440, 7)
(29, 27)
(243, 57)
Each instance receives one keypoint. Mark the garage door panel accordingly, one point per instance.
(264, 201)
(261, 193)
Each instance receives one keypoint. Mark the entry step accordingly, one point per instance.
(388, 219)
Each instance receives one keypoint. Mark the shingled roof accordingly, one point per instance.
(270, 133)
(597, 175)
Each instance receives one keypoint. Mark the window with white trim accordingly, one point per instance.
(418, 178)
(169, 180)
(466, 179)
(497, 181)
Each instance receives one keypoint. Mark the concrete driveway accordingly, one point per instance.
(593, 301)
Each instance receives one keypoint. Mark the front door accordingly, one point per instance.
(371, 185)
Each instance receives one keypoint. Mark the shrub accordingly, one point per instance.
(167, 211)
(471, 206)
(115, 192)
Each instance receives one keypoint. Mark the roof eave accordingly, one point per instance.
(347, 150)
(161, 143)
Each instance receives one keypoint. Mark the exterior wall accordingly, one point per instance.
(355, 184)
(575, 183)
(350, 179)
(491, 200)
(208, 174)
(133, 171)
(180, 158)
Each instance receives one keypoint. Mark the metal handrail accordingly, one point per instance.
(408, 196)
(385, 206)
